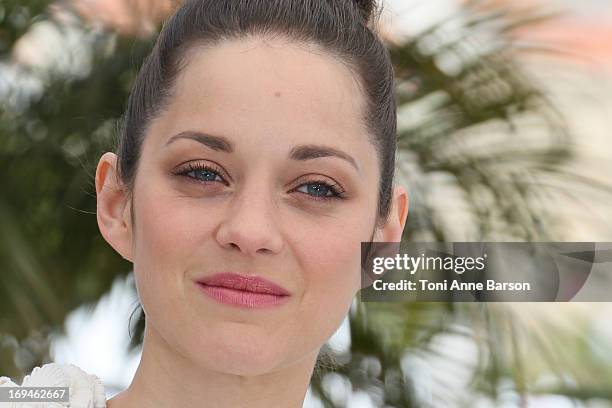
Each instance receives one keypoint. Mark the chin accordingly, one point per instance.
(244, 352)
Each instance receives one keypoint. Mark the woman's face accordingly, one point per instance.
(281, 130)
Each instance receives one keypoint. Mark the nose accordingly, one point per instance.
(249, 225)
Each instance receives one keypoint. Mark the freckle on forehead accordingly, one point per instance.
(277, 94)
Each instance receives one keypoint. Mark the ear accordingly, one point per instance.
(113, 209)
(391, 231)
(394, 227)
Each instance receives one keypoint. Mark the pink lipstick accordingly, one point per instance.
(243, 291)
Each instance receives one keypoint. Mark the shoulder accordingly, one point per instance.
(85, 390)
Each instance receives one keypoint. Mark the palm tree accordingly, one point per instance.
(472, 123)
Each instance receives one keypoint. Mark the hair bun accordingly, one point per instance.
(366, 8)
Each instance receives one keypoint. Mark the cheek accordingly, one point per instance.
(169, 233)
(331, 263)
(334, 261)
(170, 226)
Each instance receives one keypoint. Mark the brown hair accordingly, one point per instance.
(341, 28)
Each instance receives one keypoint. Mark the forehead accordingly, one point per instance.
(267, 92)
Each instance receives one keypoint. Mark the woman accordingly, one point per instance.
(256, 154)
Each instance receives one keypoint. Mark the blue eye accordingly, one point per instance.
(320, 190)
(204, 174)
(315, 189)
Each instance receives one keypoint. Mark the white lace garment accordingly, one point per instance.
(84, 390)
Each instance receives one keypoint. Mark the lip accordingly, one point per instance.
(243, 291)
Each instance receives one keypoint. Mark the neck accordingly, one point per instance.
(166, 379)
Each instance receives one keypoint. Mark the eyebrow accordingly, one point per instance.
(299, 152)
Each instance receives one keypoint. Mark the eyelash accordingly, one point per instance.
(335, 189)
